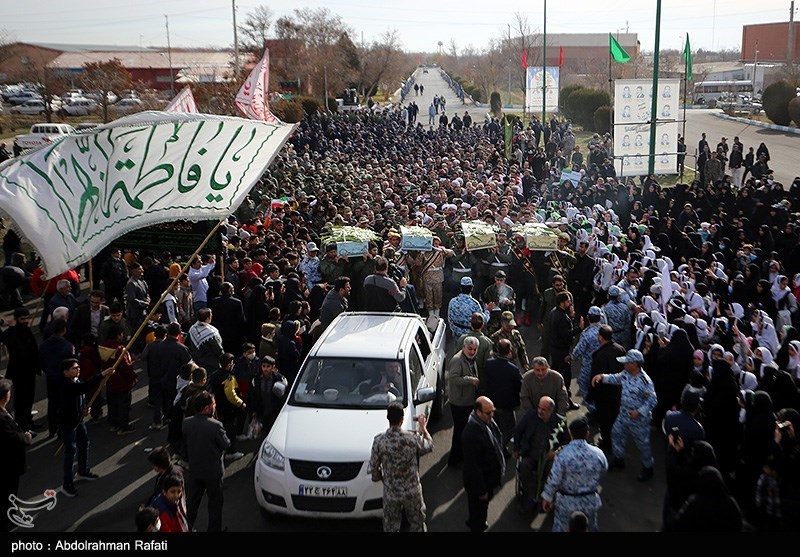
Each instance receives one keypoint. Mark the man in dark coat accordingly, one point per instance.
(503, 383)
(560, 332)
(164, 362)
(23, 365)
(335, 302)
(87, 317)
(484, 462)
(229, 319)
(13, 441)
(52, 352)
(204, 444)
(115, 276)
(606, 397)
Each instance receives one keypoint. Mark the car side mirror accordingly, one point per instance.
(425, 394)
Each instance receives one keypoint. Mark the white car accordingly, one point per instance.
(35, 106)
(315, 459)
(127, 106)
(79, 107)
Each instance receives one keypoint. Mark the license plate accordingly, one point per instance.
(323, 491)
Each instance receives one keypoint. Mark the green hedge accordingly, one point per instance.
(495, 104)
(794, 110)
(289, 111)
(582, 104)
(564, 94)
(601, 118)
(776, 99)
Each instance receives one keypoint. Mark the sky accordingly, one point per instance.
(711, 24)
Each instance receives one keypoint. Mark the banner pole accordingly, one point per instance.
(153, 309)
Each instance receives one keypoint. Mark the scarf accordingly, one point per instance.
(495, 437)
(200, 333)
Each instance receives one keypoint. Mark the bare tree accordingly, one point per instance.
(325, 41)
(7, 41)
(254, 29)
(383, 63)
(105, 77)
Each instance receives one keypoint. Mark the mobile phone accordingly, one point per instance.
(675, 432)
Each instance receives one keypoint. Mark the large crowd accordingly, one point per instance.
(697, 285)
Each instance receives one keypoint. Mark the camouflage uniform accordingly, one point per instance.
(587, 345)
(638, 394)
(517, 347)
(573, 483)
(394, 461)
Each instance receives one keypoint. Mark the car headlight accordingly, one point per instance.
(271, 457)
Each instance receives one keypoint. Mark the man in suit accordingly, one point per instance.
(484, 462)
(13, 441)
(229, 319)
(204, 445)
(137, 299)
(87, 317)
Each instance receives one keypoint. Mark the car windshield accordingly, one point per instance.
(349, 383)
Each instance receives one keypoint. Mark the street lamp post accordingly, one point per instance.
(654, 103)
(544, 66)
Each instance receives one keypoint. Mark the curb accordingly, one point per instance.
(786, 129)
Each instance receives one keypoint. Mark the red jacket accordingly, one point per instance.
(89, 360)
(124, 378)
(38, 283)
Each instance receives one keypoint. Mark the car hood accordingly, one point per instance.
(327, 433)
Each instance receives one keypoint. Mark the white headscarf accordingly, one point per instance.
(793, 367)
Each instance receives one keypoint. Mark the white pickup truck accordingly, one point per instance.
(41, 134)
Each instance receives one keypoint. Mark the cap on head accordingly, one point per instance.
(466, 281)
(631, 356)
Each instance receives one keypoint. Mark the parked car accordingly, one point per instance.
(35, 106)
(23, 96)
(127, 106)
(111, 98)
(314, 461)
(79, 107)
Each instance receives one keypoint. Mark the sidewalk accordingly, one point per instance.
(786, 129)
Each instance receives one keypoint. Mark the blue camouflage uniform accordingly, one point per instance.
(459, 313)
(639, 394)
(573, 483)
(587, 345)
(619, 318)
(629, 291)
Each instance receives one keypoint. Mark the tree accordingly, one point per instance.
(582, 104)
(794, 110)
(382, 64)
(495, 104)
(322, 37)
(776, 99)
(105, 77)
(48, 84)
(254, 29)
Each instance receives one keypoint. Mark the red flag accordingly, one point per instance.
(419, 60)
(524, 58)
(560, 56)
(251, 100)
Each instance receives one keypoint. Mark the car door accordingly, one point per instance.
(418, 379)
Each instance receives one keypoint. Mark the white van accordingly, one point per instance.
(314, 462)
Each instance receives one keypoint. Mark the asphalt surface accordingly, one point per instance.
(109, 504)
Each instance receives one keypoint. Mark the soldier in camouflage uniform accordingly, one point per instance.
(394, 461)
(509, 331)
(574, 480)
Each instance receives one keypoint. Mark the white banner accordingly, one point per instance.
(632, 104)
(251, 100)
(183, 102)
(536, 79)
(71, 198)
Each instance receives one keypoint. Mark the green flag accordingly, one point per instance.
(617, 52)
(687, 55)
(509, 134)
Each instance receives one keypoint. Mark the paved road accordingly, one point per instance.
(783, 147)
(109, 504)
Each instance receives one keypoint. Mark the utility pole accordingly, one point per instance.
(790, 47)
(654, 104)
(235, 41)
(755, 71)
(169, 57)
(544, 67)
(326, 88)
